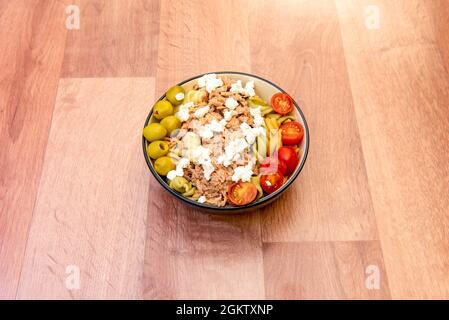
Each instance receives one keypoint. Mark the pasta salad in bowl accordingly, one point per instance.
(225, 141)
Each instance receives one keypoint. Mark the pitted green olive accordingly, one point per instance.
(171, 123)
(162, 109)
(175, 95)
(163, 165)
(154, 131)
(157, 149)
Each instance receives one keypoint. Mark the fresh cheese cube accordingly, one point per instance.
(183, 113)
(201, 112)
(210, 82)
(231, 103)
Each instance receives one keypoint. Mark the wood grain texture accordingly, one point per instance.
(373, 191)
(195, 38)
(439, 12)
(401, 92)
(189, 254)
(116, 38)
(32, 41)
(324, 270)
(331, 199)
(92, 203)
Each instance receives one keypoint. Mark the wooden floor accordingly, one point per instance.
(368, 217)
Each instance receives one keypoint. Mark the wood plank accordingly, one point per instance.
(325, 270)
(92, 202)
(439, 12)
(401, 92)
(331, 199)
(189, 254)
(195, 38)
(116, 39)
(32, 48)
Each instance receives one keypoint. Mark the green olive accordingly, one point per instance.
(154, 131)
(163, 165)
(162, 109)
(175, 95)
(157, 149)
(171, 123)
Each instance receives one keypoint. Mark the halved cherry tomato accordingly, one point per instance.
(292, 133)
(281, 103)
(290, 157)
(271, 165)
(271, 182)
(241, 193)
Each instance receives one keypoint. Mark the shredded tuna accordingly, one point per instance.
(215, 189)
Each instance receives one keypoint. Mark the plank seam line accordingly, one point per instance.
(361, 143)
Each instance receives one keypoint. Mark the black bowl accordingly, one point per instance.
(264, 200)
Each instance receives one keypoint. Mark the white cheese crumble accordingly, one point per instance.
(183, 112)
(208, 168)
(171, 175)
(220, 159)
(179, 96)
(237, 87)
(231, 103)
(207, 131)
(248, 90)
(201, 112)
(243, 173)
(179, 171)
(217, 126)
(201, 155)
(257, 116)
(204, 132)
(250, 133)
(202, 199)
(228, 114)
(233, 151)
(210, 81)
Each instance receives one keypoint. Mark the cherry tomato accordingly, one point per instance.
(292, 133)
(271, 182)
(241, 193)
(290, 157)
(281, 103)
(271, 165)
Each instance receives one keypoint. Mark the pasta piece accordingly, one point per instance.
(273, 134)
(266, 110)
(189, 192)
(195, 96)
(273, 115)
(181, 185)
(262, 142)
(284, 119)
(256, 181)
